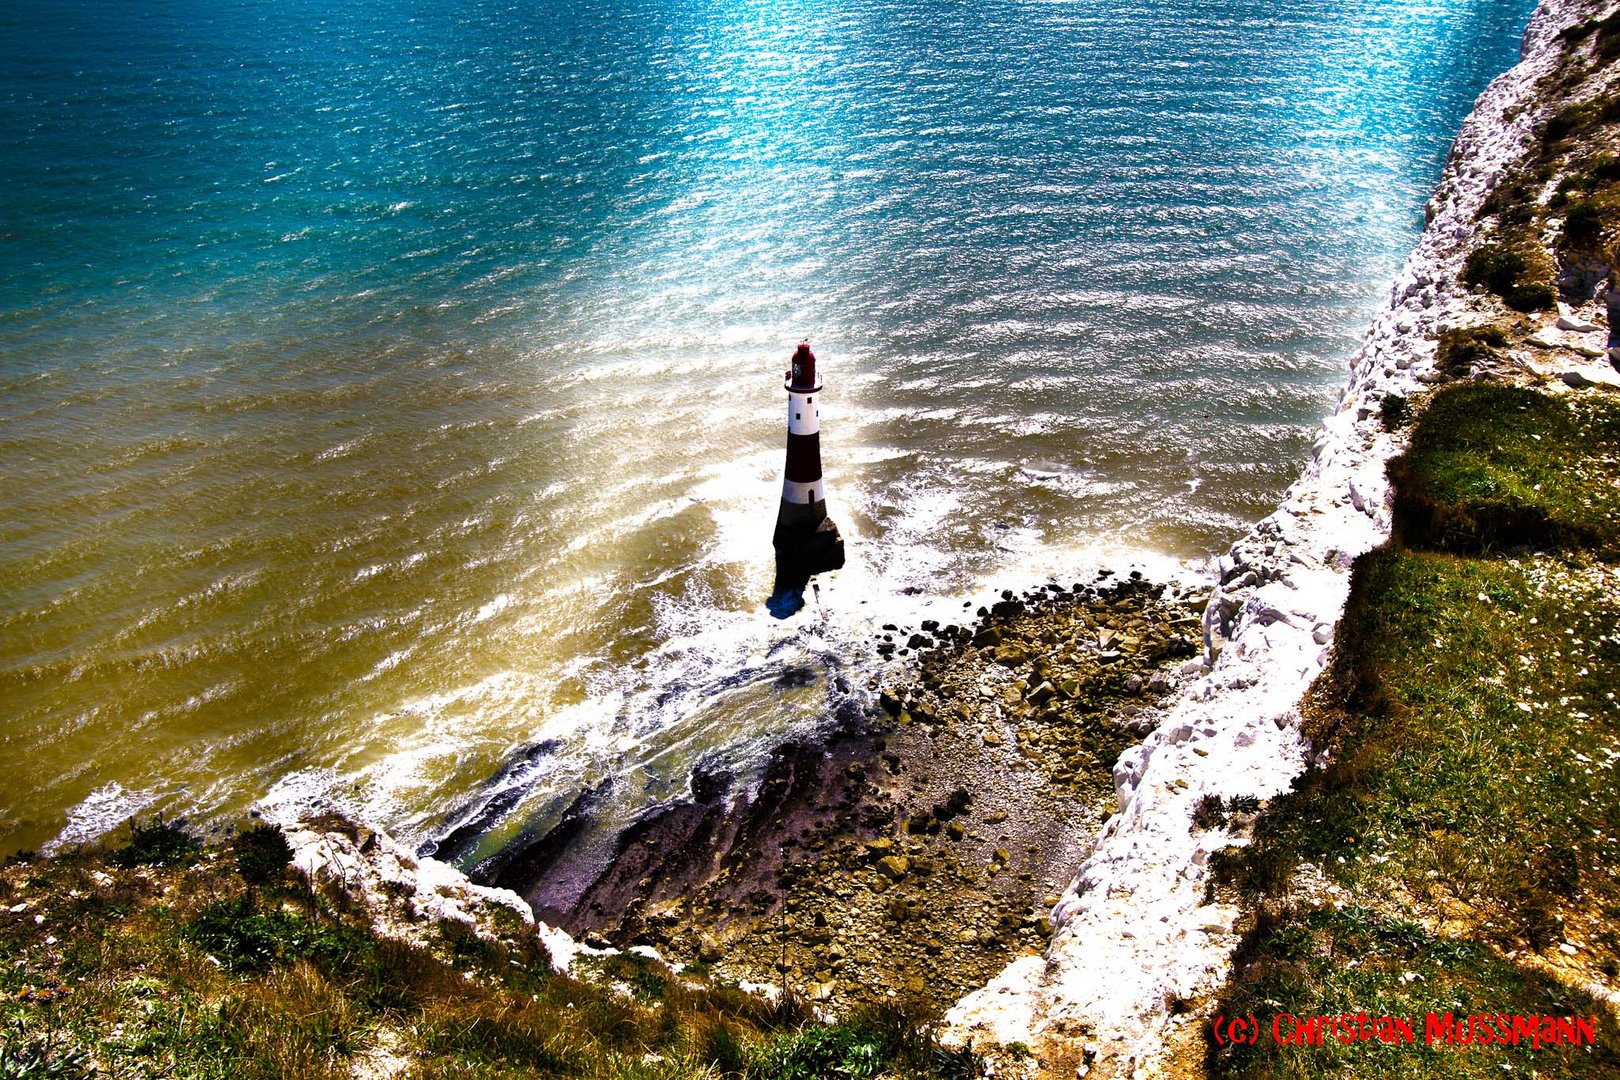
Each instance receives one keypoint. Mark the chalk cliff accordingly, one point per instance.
(1134, 936)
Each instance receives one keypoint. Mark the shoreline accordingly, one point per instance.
(1133, 944)
(918, 843)
(1136, 946)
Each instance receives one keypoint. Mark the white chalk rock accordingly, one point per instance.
(1576, 324)
(407, 896)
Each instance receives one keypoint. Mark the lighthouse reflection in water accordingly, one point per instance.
(807, 541)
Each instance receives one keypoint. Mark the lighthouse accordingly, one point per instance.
(806, 540)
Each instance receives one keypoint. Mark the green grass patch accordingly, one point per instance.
(1468, 714)
(1467, 814)
(1473, 736)
(1345, 962)
(179, 959)
(1492, 467)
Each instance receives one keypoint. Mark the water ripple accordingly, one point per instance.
(386, 386)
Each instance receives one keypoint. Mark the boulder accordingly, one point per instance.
(1011, 654)
(894, 867)
(1576, 324)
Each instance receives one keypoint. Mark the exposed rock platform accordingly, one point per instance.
(915, 848)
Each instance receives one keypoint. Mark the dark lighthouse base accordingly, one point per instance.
(802, 550)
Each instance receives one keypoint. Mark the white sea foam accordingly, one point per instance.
(99, 813)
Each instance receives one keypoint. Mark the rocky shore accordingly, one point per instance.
(917, 847)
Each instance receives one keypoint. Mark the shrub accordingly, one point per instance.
(1243, 804)
(1513, 200)
(1208, 812)
(1394, 412)
(1583, 224)
(160, 843)
(244, 939)
(1464, 346)
(1566, 122)
(1531, 296)
(1516, 270)
(1608, 42)
(884, 1039)
(1495, 266)
(262, 854)
(958, 1063)
(1577, 32)
(818, 1053)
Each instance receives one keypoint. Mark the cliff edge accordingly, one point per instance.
(1140, 934)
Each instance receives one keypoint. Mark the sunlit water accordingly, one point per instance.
(388, 387)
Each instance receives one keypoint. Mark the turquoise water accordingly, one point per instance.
(385, 388)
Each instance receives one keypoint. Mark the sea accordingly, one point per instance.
(391, 404)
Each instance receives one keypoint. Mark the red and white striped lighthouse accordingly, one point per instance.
(806, 540)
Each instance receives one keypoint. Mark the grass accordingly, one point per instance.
(165, 957)
(1352, 960)
(1492, 467)
(1517, 269)
(1464, 831)
(1459, 721)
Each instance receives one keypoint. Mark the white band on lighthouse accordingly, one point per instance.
(803, 494)
(802, 416)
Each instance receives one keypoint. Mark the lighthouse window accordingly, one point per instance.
(808, 400)
(796, 416)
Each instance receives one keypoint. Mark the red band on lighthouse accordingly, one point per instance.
(803, 374)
